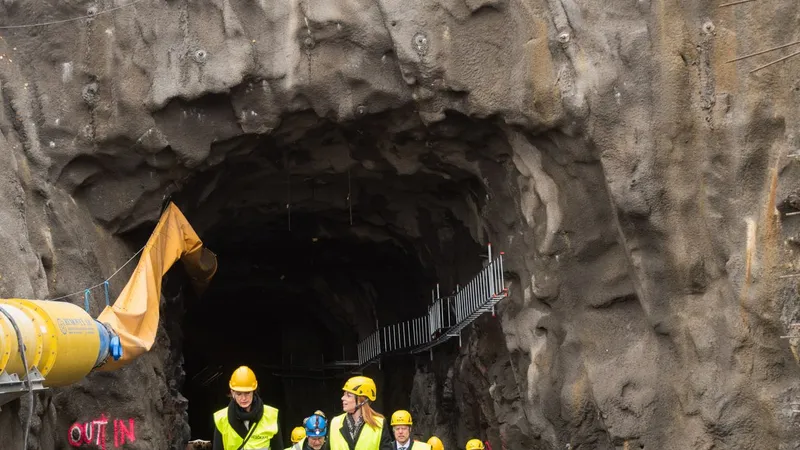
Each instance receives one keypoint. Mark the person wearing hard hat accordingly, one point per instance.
(298, 434)
(316, 428)
(246, 423)
(474, 444)
(401, 427)
(360, 427)
(435, 443)
(317, 413)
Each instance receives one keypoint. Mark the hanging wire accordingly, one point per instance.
(73, 19)
(775, 62)
(104, 282)
(349, 197)
(763, 51)
(288, 190)
(735, 3)
(105, 288)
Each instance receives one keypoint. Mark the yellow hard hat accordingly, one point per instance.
(474, 444)
(298, 433)
(435, 443)
(243, 380)
(401, 417)
(363, 386)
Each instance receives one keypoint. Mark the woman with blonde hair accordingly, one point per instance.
(360, 427)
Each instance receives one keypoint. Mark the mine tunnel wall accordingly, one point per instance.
(640, 182)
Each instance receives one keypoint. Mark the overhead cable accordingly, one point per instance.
(72, 19)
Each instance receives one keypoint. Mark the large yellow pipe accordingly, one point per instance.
(64, 343)
(62, 339)
(31, 338)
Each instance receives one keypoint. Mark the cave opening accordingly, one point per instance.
(322, 232)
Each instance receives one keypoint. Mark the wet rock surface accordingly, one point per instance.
(638, 182)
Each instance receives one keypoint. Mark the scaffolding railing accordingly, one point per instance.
(441, 314)
(447, 316)
(405, 335)
(370, 348)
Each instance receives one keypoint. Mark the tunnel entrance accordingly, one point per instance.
(290, 305)
(322, 231)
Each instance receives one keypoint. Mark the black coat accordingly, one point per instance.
(325, 446)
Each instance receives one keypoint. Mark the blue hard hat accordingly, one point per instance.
(316, 426)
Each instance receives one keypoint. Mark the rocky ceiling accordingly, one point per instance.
(640, 184)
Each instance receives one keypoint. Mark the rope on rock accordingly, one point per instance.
(73, 19)
(104, 283)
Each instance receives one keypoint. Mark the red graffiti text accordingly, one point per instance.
(94, 433)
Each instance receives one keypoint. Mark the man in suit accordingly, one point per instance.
(401, 427)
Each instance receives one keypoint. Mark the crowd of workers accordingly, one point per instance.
(248, 424)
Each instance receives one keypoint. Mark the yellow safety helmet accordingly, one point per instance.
(474, 444)
(402, 417)
(435, 443)
(243, 380)
(363, 386)
(298, 433)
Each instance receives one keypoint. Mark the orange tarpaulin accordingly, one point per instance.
(134, 315)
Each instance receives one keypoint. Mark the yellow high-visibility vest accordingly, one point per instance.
(369, 439)
(264, 430)
(417, 445)
(297, 445)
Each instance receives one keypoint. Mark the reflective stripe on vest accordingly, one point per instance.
(264, 430)
(417, 445)
(297, 445)
(369, 439)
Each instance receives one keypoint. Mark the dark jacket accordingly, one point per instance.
(410, 443)
(325, 446)
(386, 436)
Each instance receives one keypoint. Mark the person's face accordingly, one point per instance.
(316, 442)
(401, 433)
(349, 403)
(243, 399)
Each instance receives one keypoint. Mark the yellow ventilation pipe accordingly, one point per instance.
(63, 343)
(11, 359)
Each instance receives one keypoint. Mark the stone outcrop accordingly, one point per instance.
(638, 181)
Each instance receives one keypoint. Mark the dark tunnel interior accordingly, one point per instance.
(287, 306)
(323, 231)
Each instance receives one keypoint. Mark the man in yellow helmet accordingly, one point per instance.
(246, 423)
(436, 443)
(474, 444)
(401, 426)
(360, 427)
(298, 434)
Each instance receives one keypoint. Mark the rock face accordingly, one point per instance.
(639, 182)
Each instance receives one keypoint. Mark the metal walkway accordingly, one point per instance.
(447, 317)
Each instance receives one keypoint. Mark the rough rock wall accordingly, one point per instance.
(640, 207)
